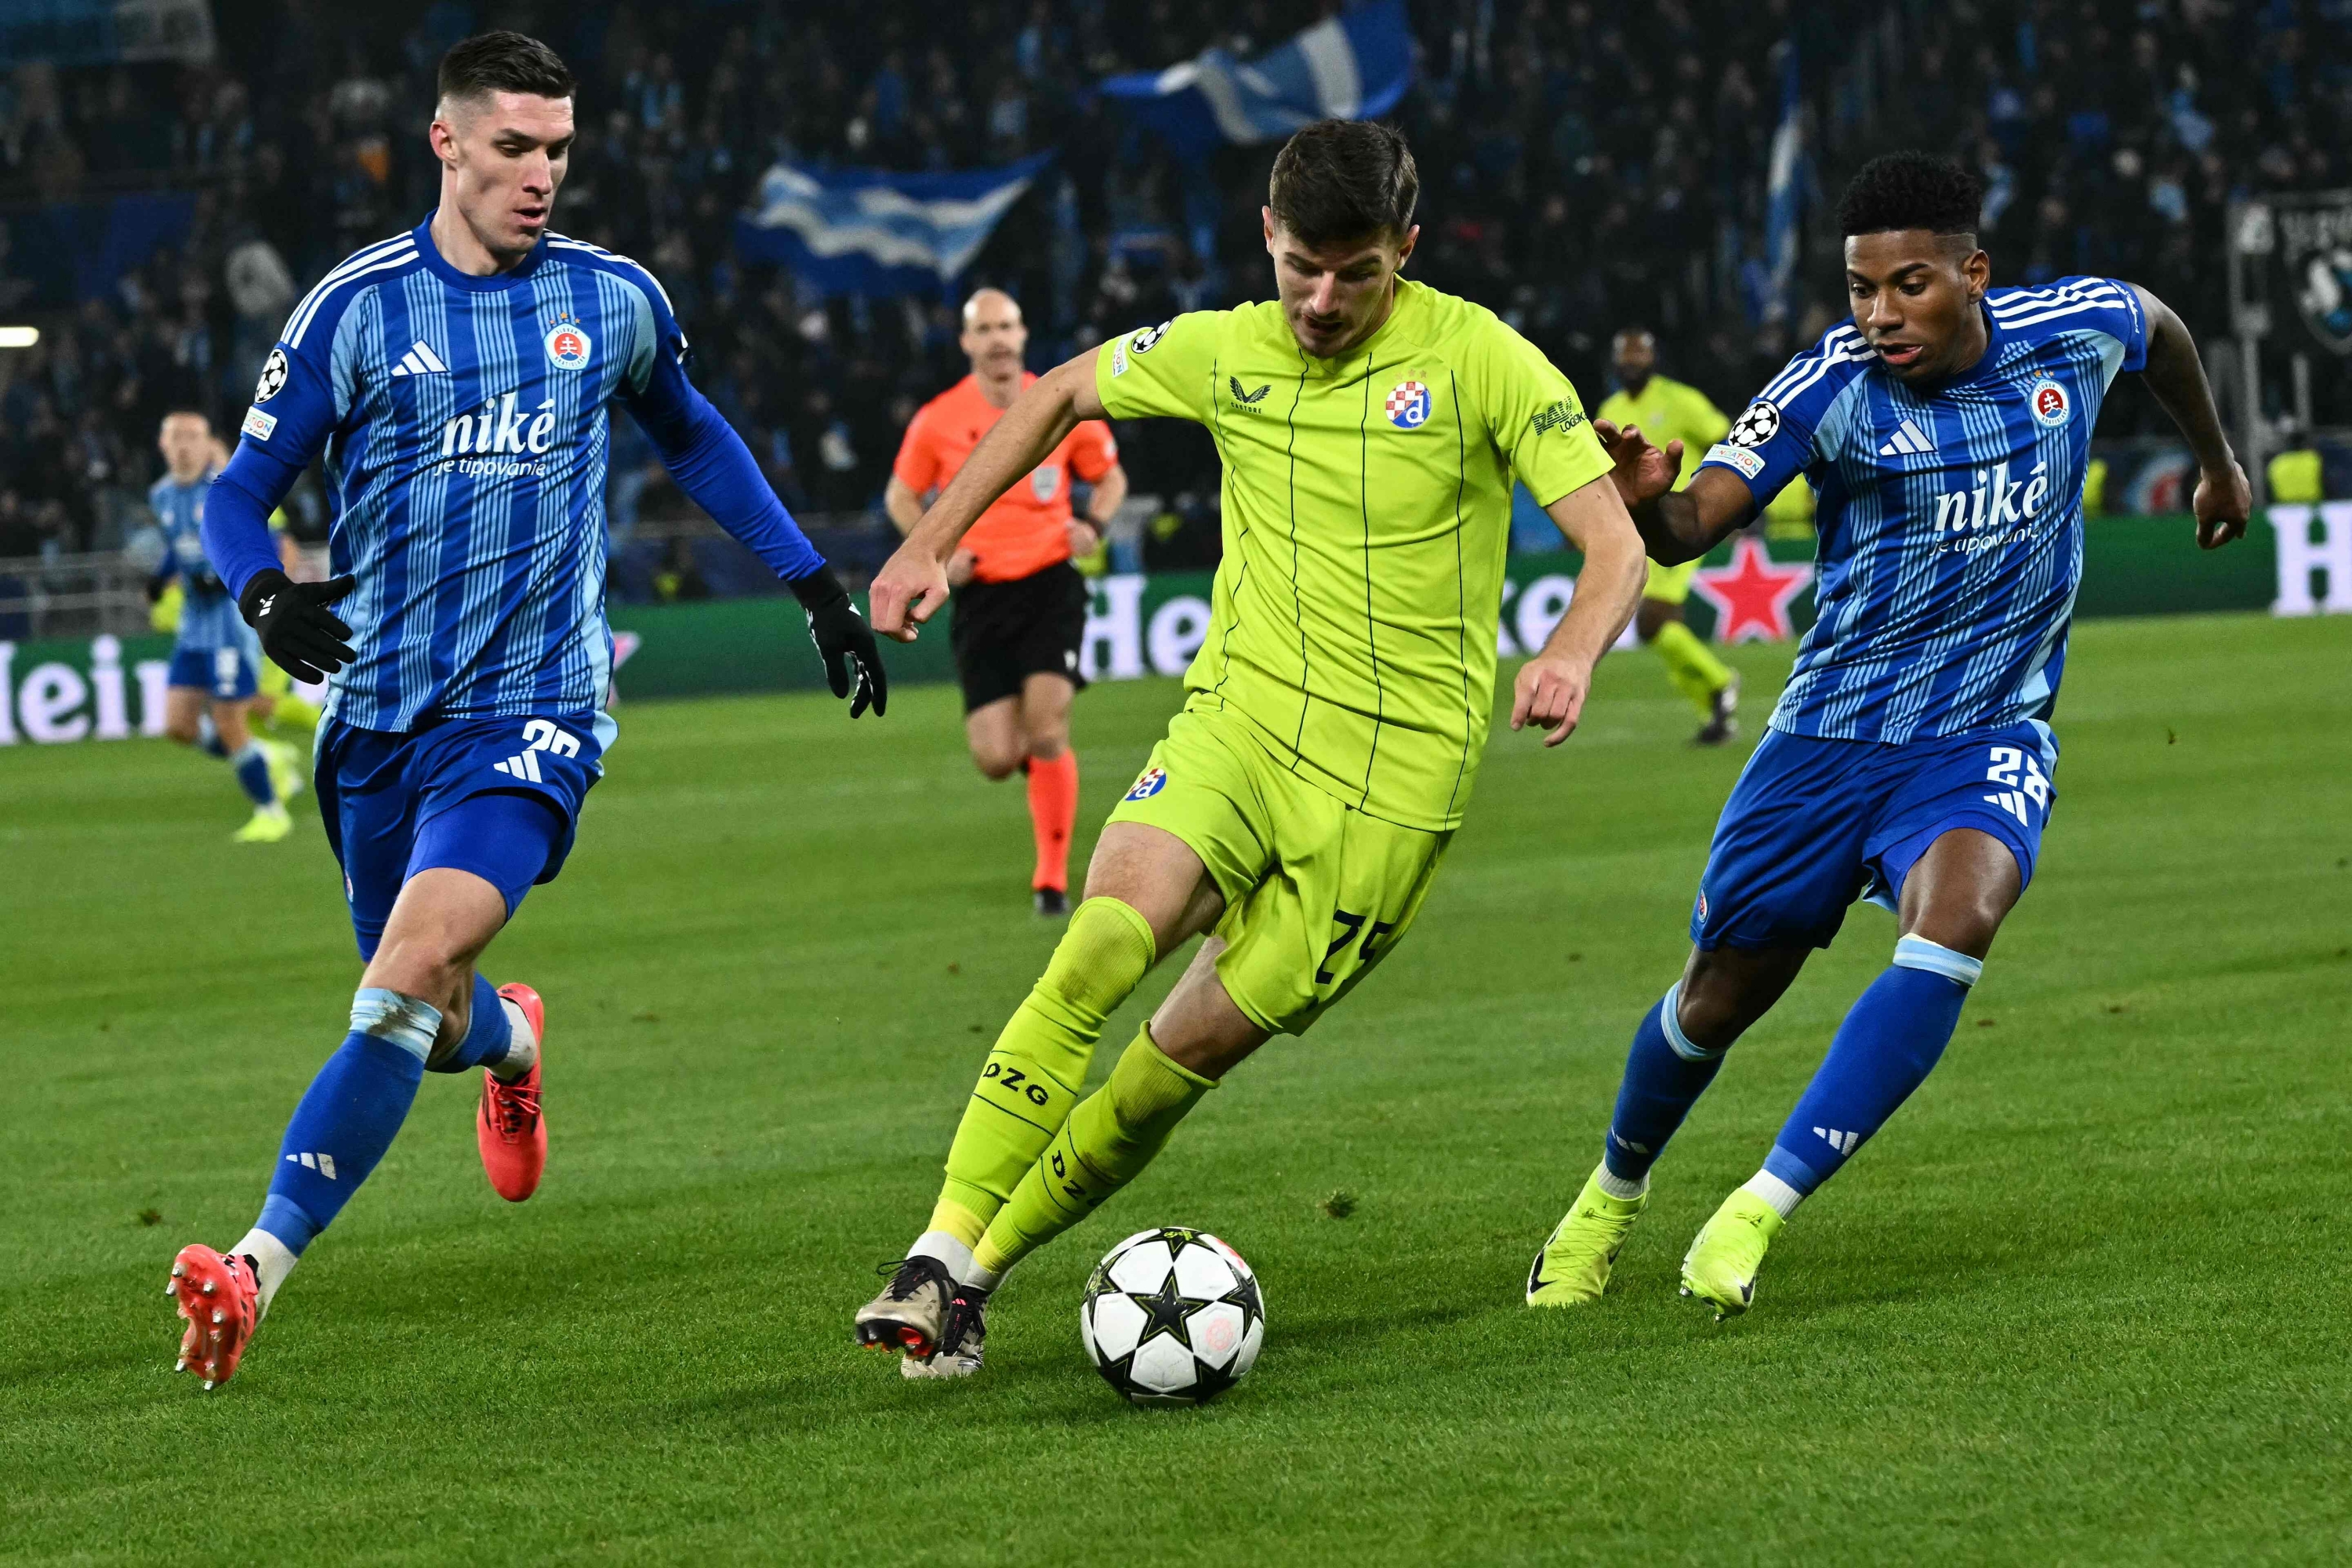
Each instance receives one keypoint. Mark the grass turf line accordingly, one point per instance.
(2081, 1301)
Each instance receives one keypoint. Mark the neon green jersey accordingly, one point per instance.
(1670, 411)
(1367, 513)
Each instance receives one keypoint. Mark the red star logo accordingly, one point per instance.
(1751, 597)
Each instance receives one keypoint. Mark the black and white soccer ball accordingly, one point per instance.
(1172, 1316)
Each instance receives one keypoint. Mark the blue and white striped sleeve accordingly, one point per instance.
(2107, 305)
(296, 404)
(1771, 441)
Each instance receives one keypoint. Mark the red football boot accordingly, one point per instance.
(221, 1300)
(507, 1127)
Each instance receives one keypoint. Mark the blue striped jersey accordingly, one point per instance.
(464, 425)
(1950, 520)
(208, 617)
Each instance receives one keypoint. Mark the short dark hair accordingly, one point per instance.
(1912, 190)
(1339, 180)
(504, 62)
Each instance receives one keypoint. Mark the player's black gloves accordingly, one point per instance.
(203, 583)
(844, 641)
(300, 634)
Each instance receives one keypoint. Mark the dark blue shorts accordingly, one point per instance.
(1813, 825)
(498, 798)
(225, 674)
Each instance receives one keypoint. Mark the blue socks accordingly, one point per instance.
(1890, 1041)
(1664, 1075)
(252, 768)
(349, 1115)
(489, 1033)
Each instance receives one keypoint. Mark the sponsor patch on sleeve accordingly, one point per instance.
(1749, 462)
(1562, 416)
(1118, 358)
(259, 425)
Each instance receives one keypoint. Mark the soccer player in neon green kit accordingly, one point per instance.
(1296, 811)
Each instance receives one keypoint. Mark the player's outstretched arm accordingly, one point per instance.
(716, 470)
(1675, 525)
(2177, 376)
(1552, 686)
(913, 583)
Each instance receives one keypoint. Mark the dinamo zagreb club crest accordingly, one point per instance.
(1408, 405)
(568, 347)
(1153, 781)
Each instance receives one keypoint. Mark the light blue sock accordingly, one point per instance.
(252, 767)
(1890, 1041)
(349, 1115)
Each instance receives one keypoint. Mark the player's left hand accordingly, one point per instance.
(1082, 536)
(1550, 693)
(2224, 501)
(1640, 470)
(853, 664)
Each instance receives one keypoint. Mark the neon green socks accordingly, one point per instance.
(1696, 673)
(1032, 1077)
(1107, 1140)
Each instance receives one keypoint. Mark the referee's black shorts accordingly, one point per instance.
(1004, 632)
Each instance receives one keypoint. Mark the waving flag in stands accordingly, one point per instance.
(1783, 192)
(1354, 66)
(863, 231)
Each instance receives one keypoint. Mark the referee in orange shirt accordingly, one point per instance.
(1020, 606)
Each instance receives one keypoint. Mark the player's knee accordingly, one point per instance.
(994, 765)
(1653, 616)
(1723, 992)
(1048, 744)
(180, 730)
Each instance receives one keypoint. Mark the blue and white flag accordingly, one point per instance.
(1354, 66)
(1782, 191)
(864, 231)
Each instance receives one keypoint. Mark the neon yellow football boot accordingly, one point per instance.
(1720, 1267)
(270, 823)
(1573, 1266)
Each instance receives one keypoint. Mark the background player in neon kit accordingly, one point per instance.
(1301, 802)
(1908, 753)
(1670, 410)
(466, 727)
(1020, 607)
(216, 659)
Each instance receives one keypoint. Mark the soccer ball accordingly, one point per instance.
(1172, 1316)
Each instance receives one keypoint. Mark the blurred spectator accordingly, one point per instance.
(1582, 168)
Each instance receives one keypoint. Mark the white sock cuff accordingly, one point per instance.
(1673, 1028)
(409, 1022)
(1918, 953)
(273, 1261)
(1618, 1187)
(948, 1249)
(1784, 1197)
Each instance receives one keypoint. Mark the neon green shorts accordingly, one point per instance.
(1669, 584)
(1315, 892)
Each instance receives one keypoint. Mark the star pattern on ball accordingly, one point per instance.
(1165, 1312)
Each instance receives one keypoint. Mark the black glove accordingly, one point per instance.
(843, 640)
(203, 583)
(300, 634)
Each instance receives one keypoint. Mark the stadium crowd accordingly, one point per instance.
(1584, 169)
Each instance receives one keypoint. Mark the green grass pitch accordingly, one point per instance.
(2085, 1301)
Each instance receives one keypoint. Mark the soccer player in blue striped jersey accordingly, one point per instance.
(1911, 757)
(456, 378)
(216, 657)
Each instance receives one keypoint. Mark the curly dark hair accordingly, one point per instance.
(1912, 190)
